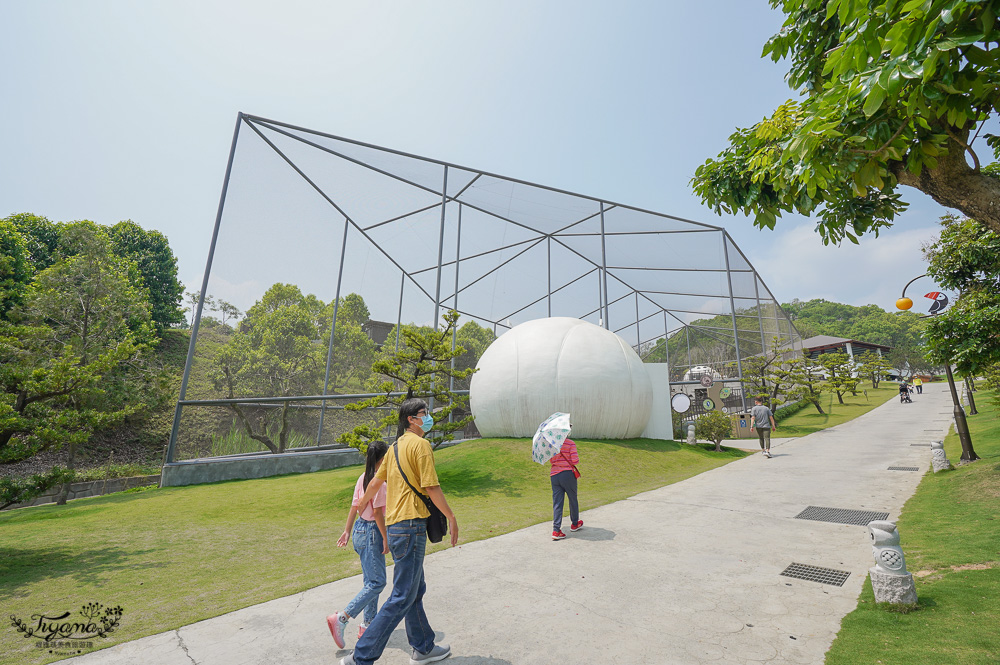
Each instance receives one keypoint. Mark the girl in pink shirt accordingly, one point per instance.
(563, 476)
(370, 543)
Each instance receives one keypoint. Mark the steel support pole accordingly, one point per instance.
(666, 347)
(399, 316)
(961, 426)
(454, 331)
(760, 321)
(687, 333)
(732, 306)
(172, 445)
(638, 341)
(437, 292)
(333, 332)
(604, 270)
(548, 247)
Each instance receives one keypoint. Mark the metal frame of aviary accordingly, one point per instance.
(402, 229)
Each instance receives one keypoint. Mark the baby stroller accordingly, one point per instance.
(904, 394)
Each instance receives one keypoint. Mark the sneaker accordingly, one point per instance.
(767, 454)
(576, 526)
(361, 630)
(439, 652)
(337, 622)
(347, 660)
(558, 535)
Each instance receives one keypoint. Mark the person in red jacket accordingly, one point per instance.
(563, 476)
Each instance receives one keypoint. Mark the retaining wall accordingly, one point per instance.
(90, 488)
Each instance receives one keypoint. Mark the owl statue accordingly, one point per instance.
(885, 548)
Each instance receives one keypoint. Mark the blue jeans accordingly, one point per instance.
(564, 484)
(407, 542)
(368, 545)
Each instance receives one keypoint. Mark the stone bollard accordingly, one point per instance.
(691, 437)
(938, 460)
(890, 581)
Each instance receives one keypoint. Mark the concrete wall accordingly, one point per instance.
(262, 465)
(213, 470)
(90, 488)
(660, 425)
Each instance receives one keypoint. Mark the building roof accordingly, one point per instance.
(821, 342)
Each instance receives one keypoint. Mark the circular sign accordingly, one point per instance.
(725, 392)
(707, 381)
(725, 410)
(680, 402)
(708, 405)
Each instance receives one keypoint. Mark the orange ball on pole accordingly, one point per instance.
(904, 303)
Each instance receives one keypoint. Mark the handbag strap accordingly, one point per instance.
(423, 497)
(563, 455)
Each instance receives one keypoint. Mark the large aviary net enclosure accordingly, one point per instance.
(325, 247)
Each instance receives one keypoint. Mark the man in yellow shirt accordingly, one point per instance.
(406, 524)
(918, 383)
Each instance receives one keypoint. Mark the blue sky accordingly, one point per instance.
(116, 110)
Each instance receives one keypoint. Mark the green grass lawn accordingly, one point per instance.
(170, 557)
(808, 420)
(950, 532)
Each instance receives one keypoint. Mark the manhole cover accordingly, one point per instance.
(840, 515)
(802, 571)
(904, 468)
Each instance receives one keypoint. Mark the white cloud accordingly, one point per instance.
(797, 265)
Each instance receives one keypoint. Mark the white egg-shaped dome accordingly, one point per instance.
(561, 364)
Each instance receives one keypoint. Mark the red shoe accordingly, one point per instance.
(576, 526)
(558, 535)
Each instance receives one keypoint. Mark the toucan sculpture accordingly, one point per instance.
(940, 301)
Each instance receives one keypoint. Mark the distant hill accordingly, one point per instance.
(868, 323)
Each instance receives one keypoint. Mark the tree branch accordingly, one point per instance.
(968, 148)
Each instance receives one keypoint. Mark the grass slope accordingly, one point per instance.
(174, 556)
(808, 420)
(950, 530)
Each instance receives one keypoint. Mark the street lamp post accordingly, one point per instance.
(961, 425)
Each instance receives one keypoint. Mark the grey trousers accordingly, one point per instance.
(563, 485)
(764, 434)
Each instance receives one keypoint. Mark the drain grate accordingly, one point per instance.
(922, 445)
(904, 468)
(840, 515)
(802, 571)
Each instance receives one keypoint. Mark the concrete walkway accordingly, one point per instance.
(689, 573)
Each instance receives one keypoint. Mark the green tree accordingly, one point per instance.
(839, 370)
(275, 353)
(804, 381)
(714, 426)
(84, 319)
(156, 263)
(420, 368)
(228, 311)
(893, 94)
(966, 258)
(42, 237)
(873, 367)
(15, 267)
(192, 298)
(353, 350)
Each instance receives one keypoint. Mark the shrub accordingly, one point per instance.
(789, 409)
(714, 426)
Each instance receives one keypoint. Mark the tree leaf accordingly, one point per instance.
(874, 100)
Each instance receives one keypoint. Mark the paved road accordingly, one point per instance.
(686, 574)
